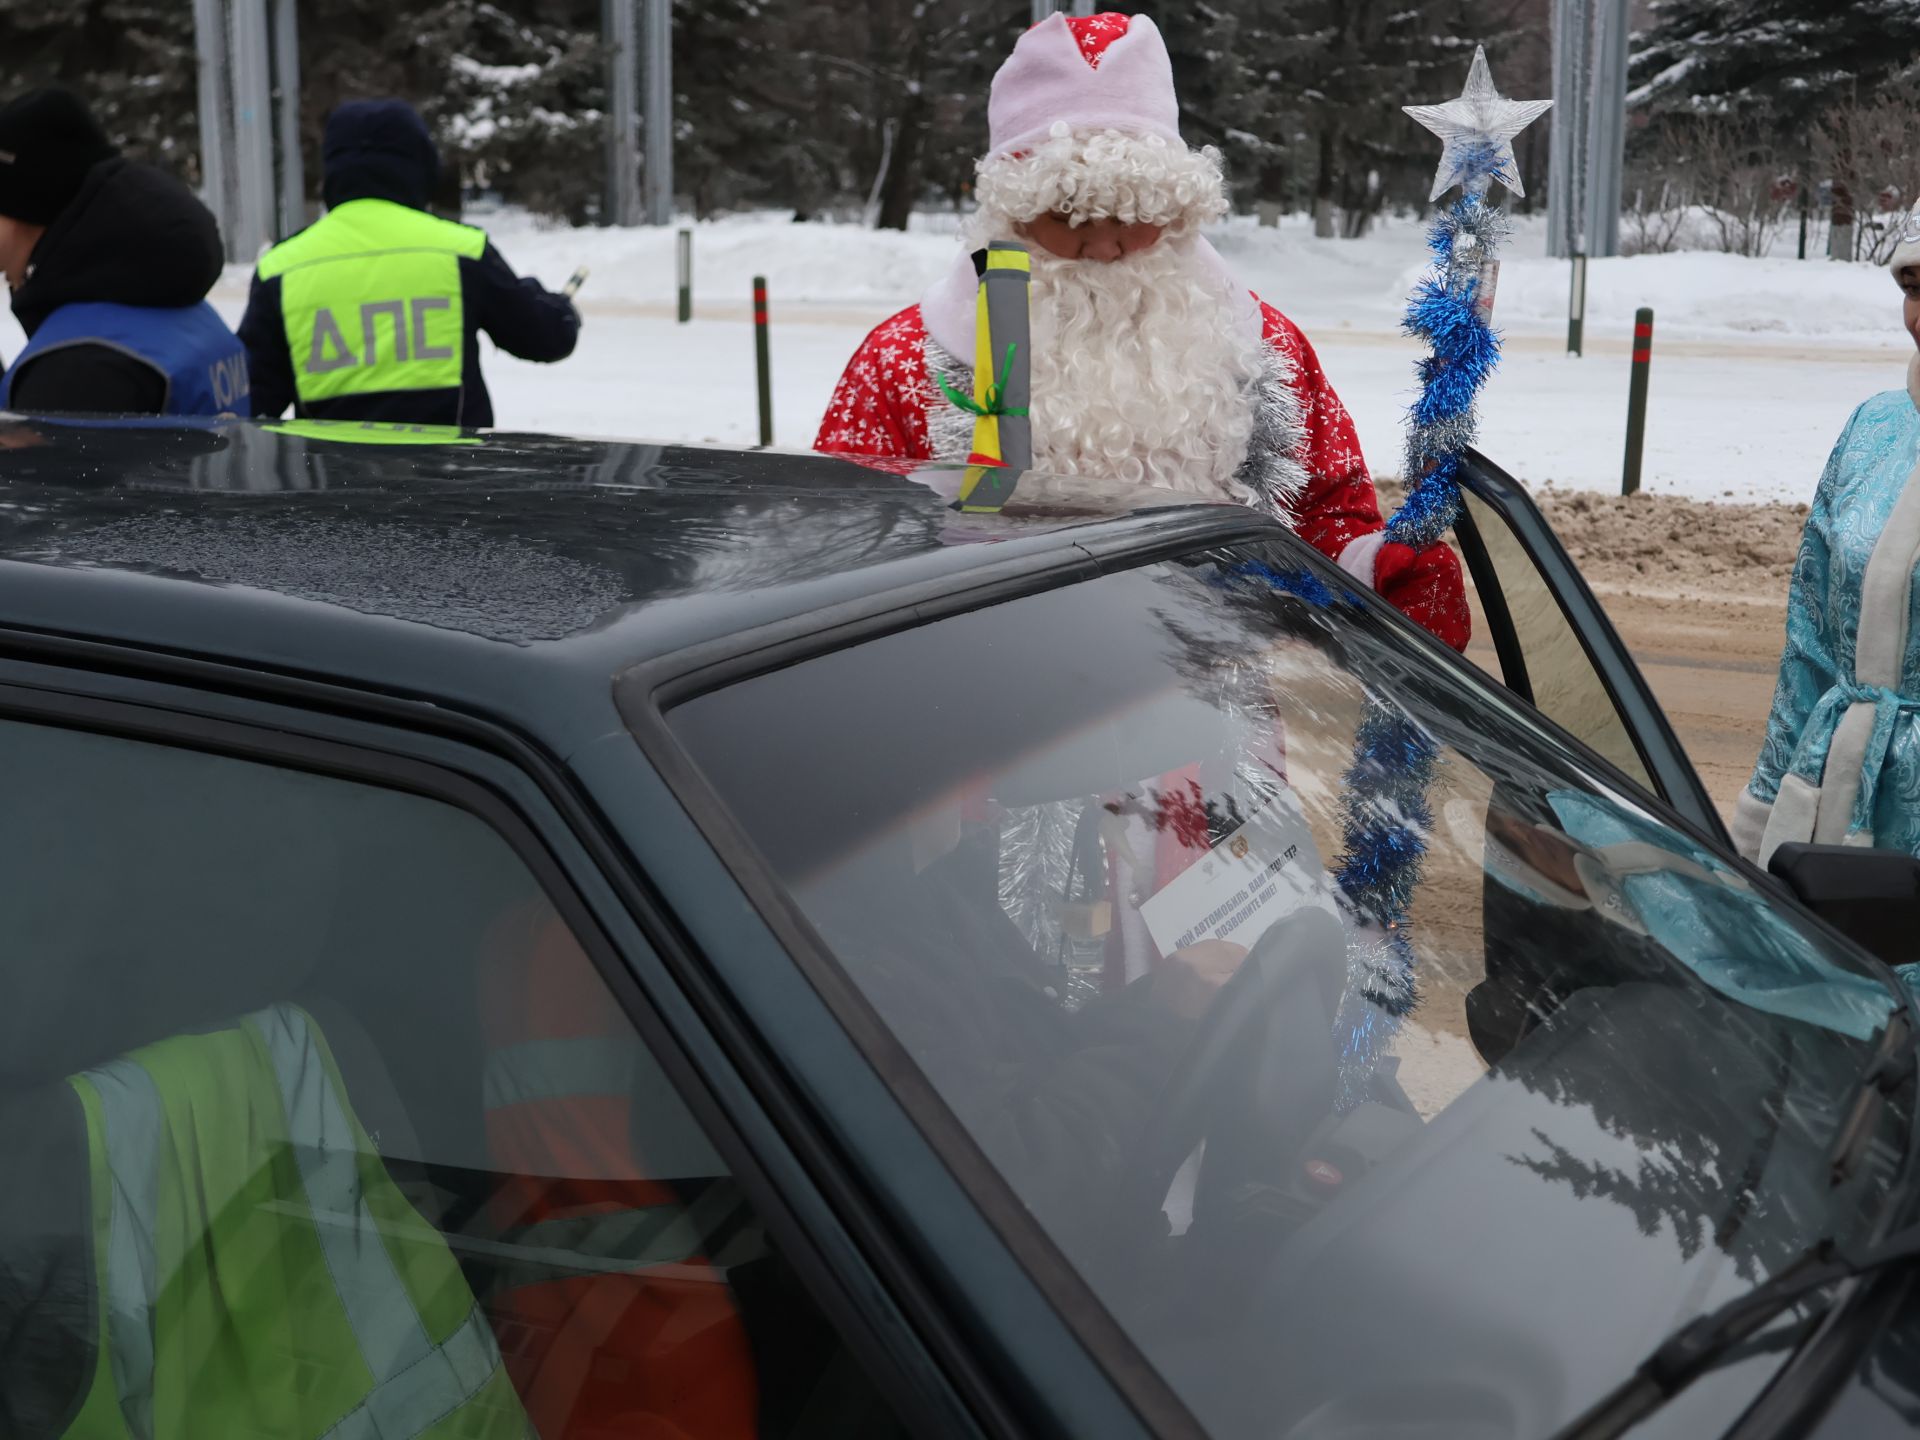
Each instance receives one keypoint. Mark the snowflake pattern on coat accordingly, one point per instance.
(882, 405)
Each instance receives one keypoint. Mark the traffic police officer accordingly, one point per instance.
(374, 312)
(109, 263)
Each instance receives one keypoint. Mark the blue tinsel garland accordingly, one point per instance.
(1387, 819)
(1463, 350)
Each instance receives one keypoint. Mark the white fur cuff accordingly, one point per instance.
(1362, 555)
(1749, 826)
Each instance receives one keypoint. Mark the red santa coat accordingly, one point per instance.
(1306, 468)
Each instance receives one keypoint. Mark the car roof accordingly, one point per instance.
(516, 574)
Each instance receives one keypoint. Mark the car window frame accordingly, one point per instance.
(149, 702)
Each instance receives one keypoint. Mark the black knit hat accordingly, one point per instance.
(48, 142)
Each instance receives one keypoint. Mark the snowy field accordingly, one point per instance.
(1756, 362)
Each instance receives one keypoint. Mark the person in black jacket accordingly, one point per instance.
(109, 263)
(374, 312)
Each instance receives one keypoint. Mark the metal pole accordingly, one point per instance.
(1577, 308)
(252, 130)
(623, 133)
(1043, 8)
(1083, 8)
(1803, 220)
(1607, 128)
(684, 267)
(216, 171)
(658, 101)
(1566, 161)
(1637, 399)
(286, 89)
(762, 359)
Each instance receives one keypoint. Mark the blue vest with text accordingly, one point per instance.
(203, 364)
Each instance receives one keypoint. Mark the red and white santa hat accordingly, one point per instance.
(1084, 121)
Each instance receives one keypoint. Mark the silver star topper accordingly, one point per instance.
(1478, 129)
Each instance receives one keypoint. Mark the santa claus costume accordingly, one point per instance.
(1155, 368)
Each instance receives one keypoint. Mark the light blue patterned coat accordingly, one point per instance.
(1841, 762)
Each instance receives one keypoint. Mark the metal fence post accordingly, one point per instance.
(1637, 399)
(657, 101)
(253, 115)
(683, 269)
(1606, 128)
(1577, 307)
(762, 359)
(286, 92)
(216, 117)
(623, 113)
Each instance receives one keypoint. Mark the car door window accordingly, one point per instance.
(1545, 661)
(1540, 631)
(321, 1121)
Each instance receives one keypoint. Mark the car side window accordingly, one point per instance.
(322, 1122)
(1541, 658)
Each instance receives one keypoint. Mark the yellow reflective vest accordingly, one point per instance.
(259, 1273)
(371, 301)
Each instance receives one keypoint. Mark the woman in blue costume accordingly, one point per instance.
(1841, 762)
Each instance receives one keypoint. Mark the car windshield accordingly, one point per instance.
(1370, 1051)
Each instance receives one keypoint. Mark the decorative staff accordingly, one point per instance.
(1387, 818)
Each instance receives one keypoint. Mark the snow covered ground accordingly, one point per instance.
(1756, 362)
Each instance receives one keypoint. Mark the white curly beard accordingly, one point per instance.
(1144, 371)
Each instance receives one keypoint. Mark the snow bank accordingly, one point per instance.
(1354, 284)
(1701, 294)
(811, 263)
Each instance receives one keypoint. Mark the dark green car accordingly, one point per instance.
(779, 957)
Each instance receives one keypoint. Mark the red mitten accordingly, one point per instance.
(1425, 586)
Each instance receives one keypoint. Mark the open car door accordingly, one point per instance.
(1554, 646)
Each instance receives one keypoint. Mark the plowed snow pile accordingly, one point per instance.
(1665, 545)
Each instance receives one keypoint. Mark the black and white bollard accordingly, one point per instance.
(683, 274)
(1577, 308)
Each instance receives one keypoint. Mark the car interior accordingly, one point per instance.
(153, 893)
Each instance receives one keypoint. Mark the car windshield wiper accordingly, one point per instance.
(1891, 1066)
(1696, 1347)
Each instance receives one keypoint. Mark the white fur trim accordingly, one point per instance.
(1047, 80)
(947, 308)
(1361, 556)
(1105, 174)
(1906, 253)
(1840, 782)
(1886, 592)
(1274, 471)
(1792, 817)
(1749, 826)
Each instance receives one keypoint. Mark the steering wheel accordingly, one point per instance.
(1267, 1037)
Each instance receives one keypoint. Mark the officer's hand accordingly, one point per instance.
(1187, 980)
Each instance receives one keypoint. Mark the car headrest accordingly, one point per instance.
(146, 890)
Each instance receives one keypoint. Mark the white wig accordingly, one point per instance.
(1104, 174)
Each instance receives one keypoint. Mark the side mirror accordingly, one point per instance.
(1870, 896)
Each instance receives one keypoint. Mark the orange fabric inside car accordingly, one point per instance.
(655, 1353)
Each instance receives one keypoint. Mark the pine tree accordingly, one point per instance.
(1304, 96)
(1777, 62)
(132, 60)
